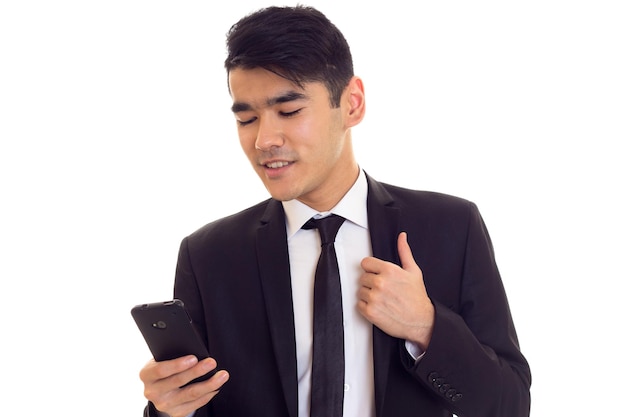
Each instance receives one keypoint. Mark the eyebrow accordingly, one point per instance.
(283, 98)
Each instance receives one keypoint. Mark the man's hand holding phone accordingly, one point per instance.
(166, 384)
(183, 376)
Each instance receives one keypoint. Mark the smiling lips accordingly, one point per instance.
(277, 164)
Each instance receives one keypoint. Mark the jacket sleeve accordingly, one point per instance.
(474, 363)
(151, 411)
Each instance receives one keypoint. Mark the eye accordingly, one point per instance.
(246, 122)
(291, 113)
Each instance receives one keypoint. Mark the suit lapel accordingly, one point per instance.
(273, 260)
(383, 221)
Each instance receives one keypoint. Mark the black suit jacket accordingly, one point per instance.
(233, 276)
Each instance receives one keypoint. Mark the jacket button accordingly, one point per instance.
(451, 392)
(433, 376)
(444, 387)
(456, 397)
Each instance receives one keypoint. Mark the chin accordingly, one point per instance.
(282, 195)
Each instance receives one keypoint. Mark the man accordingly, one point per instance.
(427, 328)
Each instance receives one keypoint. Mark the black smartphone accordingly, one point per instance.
(168, 331)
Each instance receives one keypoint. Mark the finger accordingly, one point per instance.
(367, 279)
(198, 394)
(183, 400)
(155, 371)
(201, 369)
(406, 255)
(372, 265)
(213, 384)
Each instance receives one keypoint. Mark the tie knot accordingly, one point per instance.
(327, 226)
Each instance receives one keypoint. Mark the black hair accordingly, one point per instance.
(297, 43)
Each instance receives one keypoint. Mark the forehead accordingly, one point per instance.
(259, 87)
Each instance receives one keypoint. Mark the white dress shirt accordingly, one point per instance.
(352, 244)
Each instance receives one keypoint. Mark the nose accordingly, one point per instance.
(269, 135)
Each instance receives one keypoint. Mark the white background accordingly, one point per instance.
(117, 141)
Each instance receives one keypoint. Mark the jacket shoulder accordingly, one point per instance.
(235, 225)
(424, 200)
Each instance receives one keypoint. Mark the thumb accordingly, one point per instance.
(406, 255)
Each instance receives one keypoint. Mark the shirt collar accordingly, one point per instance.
(352, 207)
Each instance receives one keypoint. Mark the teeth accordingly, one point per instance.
(279, 164)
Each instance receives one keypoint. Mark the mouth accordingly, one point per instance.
(276, 164)
(276, 169)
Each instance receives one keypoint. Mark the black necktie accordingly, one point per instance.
(327, 375)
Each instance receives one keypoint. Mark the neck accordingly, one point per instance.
(329, 198)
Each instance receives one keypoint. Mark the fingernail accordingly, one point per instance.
(191, 360)
(222, 376)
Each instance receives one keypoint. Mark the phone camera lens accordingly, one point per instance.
(159, 325)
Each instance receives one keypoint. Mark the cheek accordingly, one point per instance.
(311, 137)
(247, 140)
(302, 131)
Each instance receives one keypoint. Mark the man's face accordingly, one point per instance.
(297, 143)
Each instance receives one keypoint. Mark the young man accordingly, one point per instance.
(426, 325)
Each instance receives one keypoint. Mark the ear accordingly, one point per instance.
(354, 99)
